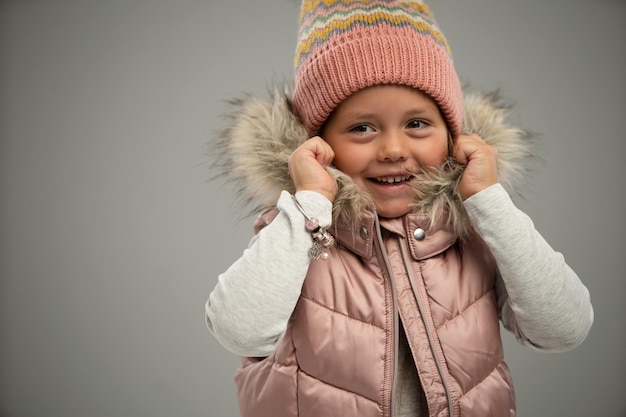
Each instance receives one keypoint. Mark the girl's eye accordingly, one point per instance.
(362, 129)
(416, 124)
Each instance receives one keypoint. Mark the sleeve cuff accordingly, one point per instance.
(315, 205)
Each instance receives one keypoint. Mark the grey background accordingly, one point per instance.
(111, 235)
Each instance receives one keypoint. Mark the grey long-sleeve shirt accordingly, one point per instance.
(547, 308)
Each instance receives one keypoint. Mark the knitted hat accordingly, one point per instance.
(345, 46)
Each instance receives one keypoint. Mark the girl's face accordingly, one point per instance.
(383, 133)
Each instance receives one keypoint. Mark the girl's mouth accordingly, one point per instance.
(391, 180)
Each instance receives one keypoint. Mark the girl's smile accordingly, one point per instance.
(381, 136)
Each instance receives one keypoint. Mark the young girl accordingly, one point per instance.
(390, 251)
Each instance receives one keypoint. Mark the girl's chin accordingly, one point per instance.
(396, 203)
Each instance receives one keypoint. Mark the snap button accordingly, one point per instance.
(364, 233)
(419, 234)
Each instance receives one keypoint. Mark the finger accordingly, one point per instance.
(468, 147)
(307, 167)
(324, 154)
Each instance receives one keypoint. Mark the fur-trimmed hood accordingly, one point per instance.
(253, 152)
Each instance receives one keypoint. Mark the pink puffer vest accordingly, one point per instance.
(338, 354)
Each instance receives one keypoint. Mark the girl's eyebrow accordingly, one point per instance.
(351, 115)
(423, 110)
(417, 111)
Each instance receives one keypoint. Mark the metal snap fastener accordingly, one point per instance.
(419, 234)
(364, 233)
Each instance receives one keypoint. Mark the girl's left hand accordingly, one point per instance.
(481, 161)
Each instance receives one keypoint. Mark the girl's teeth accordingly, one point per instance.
(391, 180)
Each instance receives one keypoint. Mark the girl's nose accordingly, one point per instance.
(393, 147)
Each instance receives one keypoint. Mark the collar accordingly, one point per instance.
(359, 236)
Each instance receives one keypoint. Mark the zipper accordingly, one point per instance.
(429, 334)
(394, 318)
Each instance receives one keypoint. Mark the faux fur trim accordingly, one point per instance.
(252, 154)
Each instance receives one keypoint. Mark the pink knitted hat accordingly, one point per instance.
(345, 46)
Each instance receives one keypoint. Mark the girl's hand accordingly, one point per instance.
(481, 162)
(307, 167)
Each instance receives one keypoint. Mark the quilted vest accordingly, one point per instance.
(337, 357)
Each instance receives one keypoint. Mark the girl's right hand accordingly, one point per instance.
(307, 167)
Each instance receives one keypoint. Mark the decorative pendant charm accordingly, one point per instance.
(322, 239)
(316, 251)
(312, 224)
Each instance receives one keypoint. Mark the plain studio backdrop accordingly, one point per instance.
(112, 236)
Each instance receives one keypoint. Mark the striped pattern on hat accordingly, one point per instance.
(345, 46)
(320, 20)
